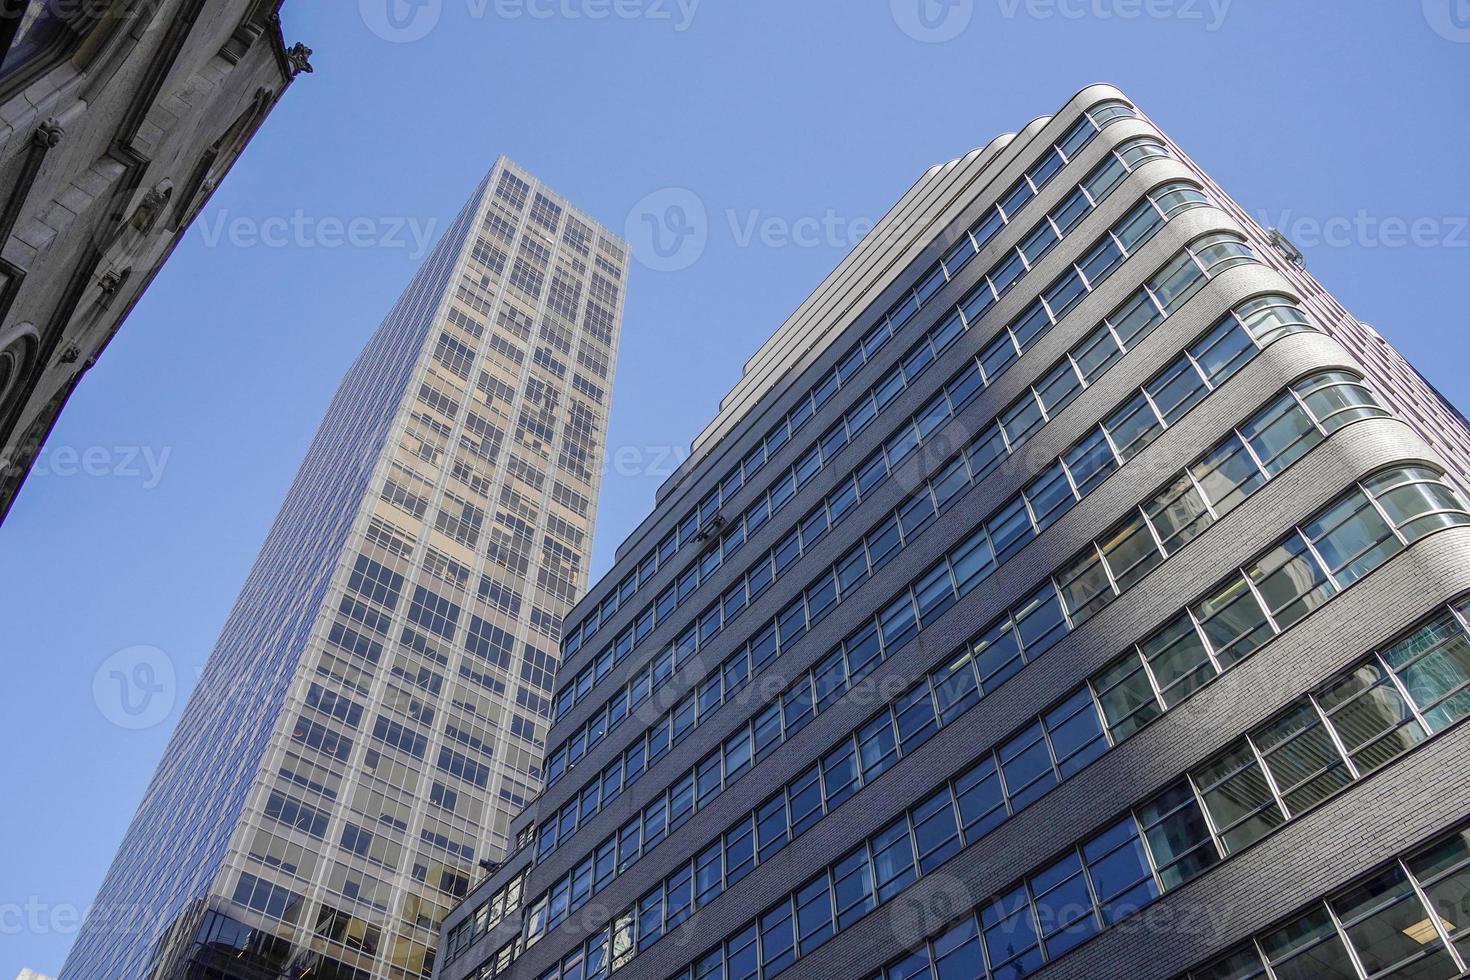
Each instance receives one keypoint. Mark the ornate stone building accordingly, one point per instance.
(118, 118)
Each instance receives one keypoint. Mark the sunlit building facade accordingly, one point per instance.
(1070, 588)
(376, 707)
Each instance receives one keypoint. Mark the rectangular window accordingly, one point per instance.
(1177, 835)
(1238, 797)
(1233, 621)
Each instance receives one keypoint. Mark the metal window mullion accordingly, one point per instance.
(1347, 943)
(1250, 584)
(1199, 799)
(1280, 797)
(1148, 851)
(1337, 741)
(1433, 914)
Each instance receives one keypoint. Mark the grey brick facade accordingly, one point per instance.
(1374, 817)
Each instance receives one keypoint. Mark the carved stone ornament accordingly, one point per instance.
(48, 134)
(298, 56)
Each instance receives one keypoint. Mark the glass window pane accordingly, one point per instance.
(1270, 318)
(1178, 658)
(1233, 621)
(1389, 927)
(1178, 837)
(1118, 866)
(1026, 765)
(1133, 426)
(1178, 514)
(980, 799)
(1281, 434)
(1063, 905)
(1136, 318)
(1127, 696)
(1370, 716)
(1337, 398)
(1291, 581)
(1352, 537)
(1309, 949)
(1433, 664)
(1011, 936)
(936, 831)
(997, 653)
(1177, 282)
(1416, 501)
(1302, 758)
(1228, 474)
(1090, 461)
(1238, 797)
(1076, 732)
(1050, 496)
(1177, 390)
(1223, 351)
(1097, 352)
(1084, 586)
(1131, 551)
(1443, 871)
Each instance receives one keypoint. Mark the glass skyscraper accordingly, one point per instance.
(375, 709)
(1070, 588)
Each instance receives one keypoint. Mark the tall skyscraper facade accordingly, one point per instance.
(375, 709)
(1070, 588)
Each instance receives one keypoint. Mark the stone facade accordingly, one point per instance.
(118, 119)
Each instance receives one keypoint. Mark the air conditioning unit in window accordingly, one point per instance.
(711, 530)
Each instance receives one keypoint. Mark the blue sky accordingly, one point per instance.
(789, 125)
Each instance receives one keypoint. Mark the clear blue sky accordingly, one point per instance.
(1341, 120)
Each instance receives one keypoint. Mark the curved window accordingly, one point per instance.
(1337, 398)
(1111, 111)
(1416, 501)
(1221, 250)
(1140, 150)
(1272, 317)
(1178, 196)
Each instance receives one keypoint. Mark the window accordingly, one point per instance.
(1416, 500)
(1118, 867)
(1178, 657)
(1290, 581)
(1233, 621)
(1237, 797)
(1302, 758)
(893, 859)
(1433, 665)
(1371, 717)
(1177, 835)
(1026, 766)
(1383, 920)
(1126, 696)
